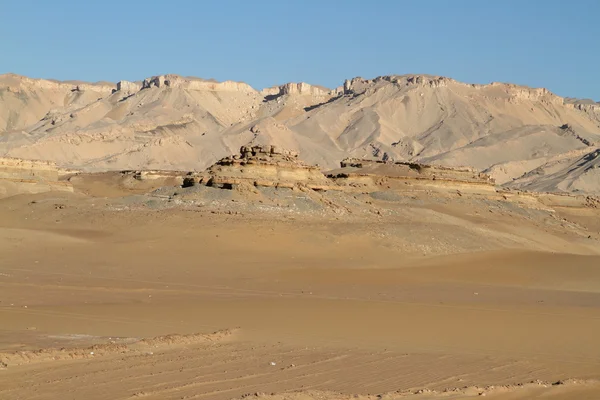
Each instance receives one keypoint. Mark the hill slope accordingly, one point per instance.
(170, 122)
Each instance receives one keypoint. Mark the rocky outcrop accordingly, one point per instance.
(176, 81)
(299, 89)
(358, 84)
(303, 89)
(592, 109)
(17, 83)
(270, 166)
(518, 94)
(128, 88)
(353, 168)
(512, 93)
(266, 166)
(15, 168)
(29, 176)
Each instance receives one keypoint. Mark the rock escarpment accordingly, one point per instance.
(301, 89)
(14, 168)
(182, 123)
(176, 81)
(357, 173)
(128, 88)
(270, 166)
(265, 166)
(24, 101)
(19, 176)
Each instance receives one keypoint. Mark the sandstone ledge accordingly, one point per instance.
(18, 176)
(353, 168)
(266, 166)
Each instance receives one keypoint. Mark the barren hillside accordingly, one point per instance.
(171, 122)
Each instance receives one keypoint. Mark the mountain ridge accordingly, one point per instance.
(174, 122)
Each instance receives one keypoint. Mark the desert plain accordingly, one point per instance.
(120, 295)
(174, 239)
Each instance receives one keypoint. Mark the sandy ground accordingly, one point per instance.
(304, 308)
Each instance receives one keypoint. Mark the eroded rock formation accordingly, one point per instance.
(266, 166)
(127, 87)
(176, 81)
(353, 169)
(29, 176)
(301, 89)
(186, 123)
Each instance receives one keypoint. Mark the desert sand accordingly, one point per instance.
(116, 290)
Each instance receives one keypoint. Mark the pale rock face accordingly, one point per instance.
(347, 86)
(176, 81)
(17, 83)
(128, 87)
(519, 94)
(272, 91)
(15, 168)
(590, 108)
(298, 89)
(359, 84)
(303, 89)
(227, 86)
(355, 85)
(155, 81)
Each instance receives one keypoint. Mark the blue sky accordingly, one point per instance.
(541, 43)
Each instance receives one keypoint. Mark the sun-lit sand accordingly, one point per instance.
(111, 298)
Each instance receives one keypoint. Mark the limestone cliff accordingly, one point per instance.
(299, 89)
(176, 81)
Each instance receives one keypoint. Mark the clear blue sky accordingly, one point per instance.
(541, 43)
